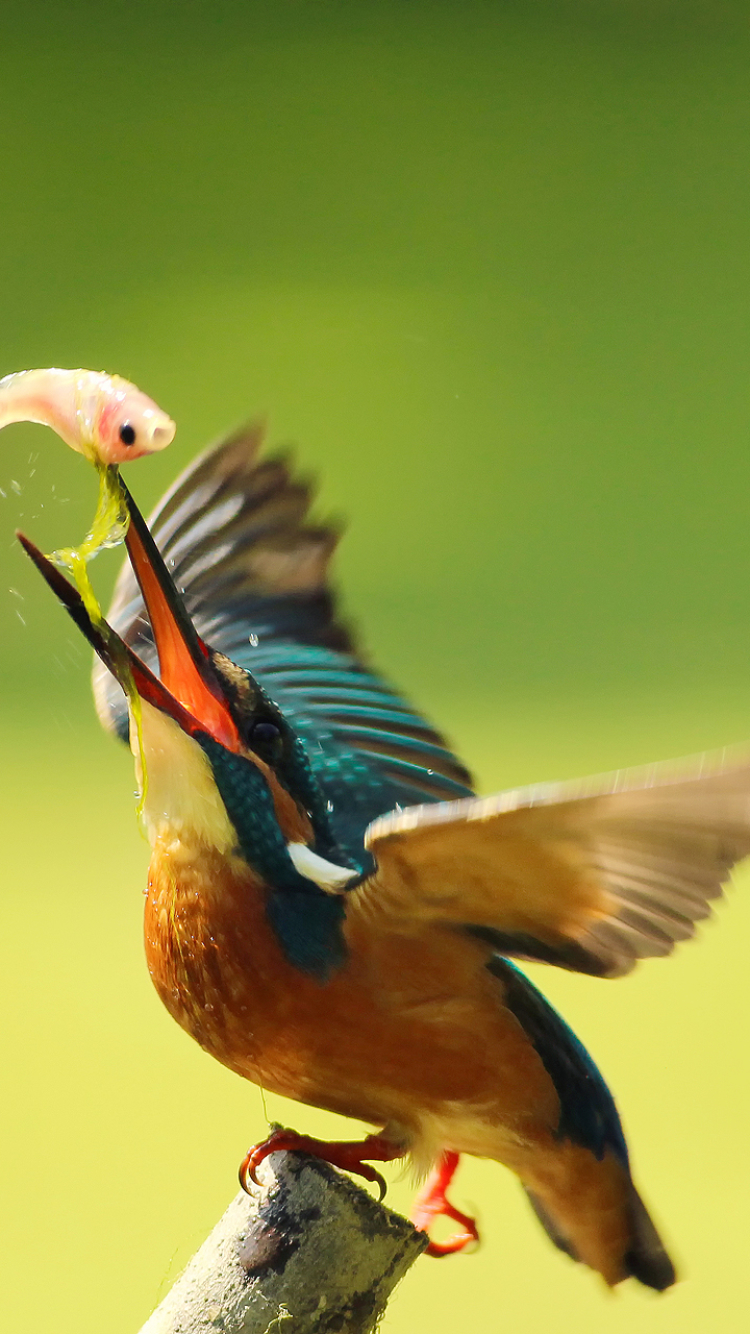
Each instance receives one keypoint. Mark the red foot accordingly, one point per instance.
(433, 1203)
(348, 1155)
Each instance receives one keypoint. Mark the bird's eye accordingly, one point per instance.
(127, 433)
(264, 734)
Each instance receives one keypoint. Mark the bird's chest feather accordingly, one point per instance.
(408, 1022)
(213, 958)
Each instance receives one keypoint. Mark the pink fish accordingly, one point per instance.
(103, 417)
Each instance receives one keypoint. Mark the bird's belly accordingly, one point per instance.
(410, 1031)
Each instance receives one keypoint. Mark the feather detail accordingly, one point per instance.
(591, 876)
(254, 573)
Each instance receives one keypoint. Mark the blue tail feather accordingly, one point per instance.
(588, 1115)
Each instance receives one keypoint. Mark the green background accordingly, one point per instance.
(487, 265)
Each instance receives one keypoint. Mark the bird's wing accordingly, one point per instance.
(591, 876)
(254, 571)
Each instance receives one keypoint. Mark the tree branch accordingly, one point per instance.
(308, 1251)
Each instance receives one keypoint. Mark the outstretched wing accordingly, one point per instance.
(590, 876)
(254, 572)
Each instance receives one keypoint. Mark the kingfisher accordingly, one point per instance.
(334, 914)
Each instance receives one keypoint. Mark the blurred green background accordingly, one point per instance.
(487, 264)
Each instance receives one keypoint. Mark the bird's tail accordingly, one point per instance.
(617, 1237)
(646, 1258)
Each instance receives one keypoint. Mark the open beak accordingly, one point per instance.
(189, 689)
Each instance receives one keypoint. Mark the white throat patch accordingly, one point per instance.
(182, 799)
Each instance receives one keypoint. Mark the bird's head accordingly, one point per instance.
(218, 763)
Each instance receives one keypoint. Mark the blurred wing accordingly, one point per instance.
(254, 573)
(590, 876)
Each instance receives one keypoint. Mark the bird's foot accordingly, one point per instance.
(346, 1154)
(433, 1203)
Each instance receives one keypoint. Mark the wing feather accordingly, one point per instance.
(592, 875)
(235, 533)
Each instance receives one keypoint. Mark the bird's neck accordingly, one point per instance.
(211, 832)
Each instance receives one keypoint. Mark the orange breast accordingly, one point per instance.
(411, 1024)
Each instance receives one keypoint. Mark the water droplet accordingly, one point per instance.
(15, 486)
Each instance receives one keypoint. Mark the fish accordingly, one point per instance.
(104, 417)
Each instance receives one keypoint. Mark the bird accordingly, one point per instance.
(334, 914)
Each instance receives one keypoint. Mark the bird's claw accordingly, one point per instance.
(433, 1203)
(277, 1142)
(348, 1155)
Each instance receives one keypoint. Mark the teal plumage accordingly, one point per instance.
(234, 535)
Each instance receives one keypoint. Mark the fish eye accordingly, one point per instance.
(127, 433)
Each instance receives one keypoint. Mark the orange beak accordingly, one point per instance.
(184, 660)
(189, 689)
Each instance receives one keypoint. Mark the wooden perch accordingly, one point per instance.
(308, 1251)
